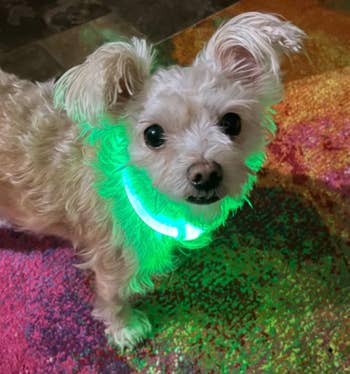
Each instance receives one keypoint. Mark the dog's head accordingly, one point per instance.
(191, 128)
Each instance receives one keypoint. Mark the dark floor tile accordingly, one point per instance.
(69, 13)
(337, 4)
(112, 27)
(20, 24)
(162, 18)
(24, 21)
(70, 47)
(30, 62)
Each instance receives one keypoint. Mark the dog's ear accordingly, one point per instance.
(109, 76)
(249, 47)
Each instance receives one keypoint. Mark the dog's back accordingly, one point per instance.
(40, 158)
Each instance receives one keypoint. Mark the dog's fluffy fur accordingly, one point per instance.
(47, 184)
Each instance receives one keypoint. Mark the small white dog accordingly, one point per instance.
(190, 130)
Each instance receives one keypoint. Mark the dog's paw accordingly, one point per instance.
(136, 329)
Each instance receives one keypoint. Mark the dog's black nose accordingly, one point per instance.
(205, 175)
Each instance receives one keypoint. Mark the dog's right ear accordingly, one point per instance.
(112, 74)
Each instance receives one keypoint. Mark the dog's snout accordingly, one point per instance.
(205, 176)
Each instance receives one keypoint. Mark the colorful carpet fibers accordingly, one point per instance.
(272, 292)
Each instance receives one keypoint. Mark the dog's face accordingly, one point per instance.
(191, 128)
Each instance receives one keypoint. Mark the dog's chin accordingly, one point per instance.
(203, 200)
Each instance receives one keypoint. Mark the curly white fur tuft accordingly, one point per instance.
(113, 72)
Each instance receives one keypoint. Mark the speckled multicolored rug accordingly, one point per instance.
(271, 294)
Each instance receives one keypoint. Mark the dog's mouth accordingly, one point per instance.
(203, 200)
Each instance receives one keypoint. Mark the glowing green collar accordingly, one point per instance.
(178, 229)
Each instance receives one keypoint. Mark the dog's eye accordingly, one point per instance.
(154, 136)
(230, 124)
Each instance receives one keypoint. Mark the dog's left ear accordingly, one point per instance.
(249, 48)
(109, 76)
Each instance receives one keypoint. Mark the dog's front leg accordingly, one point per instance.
(125, 326)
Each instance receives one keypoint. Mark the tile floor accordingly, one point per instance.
(39, 40)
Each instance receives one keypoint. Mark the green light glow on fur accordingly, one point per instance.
(153, 224)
